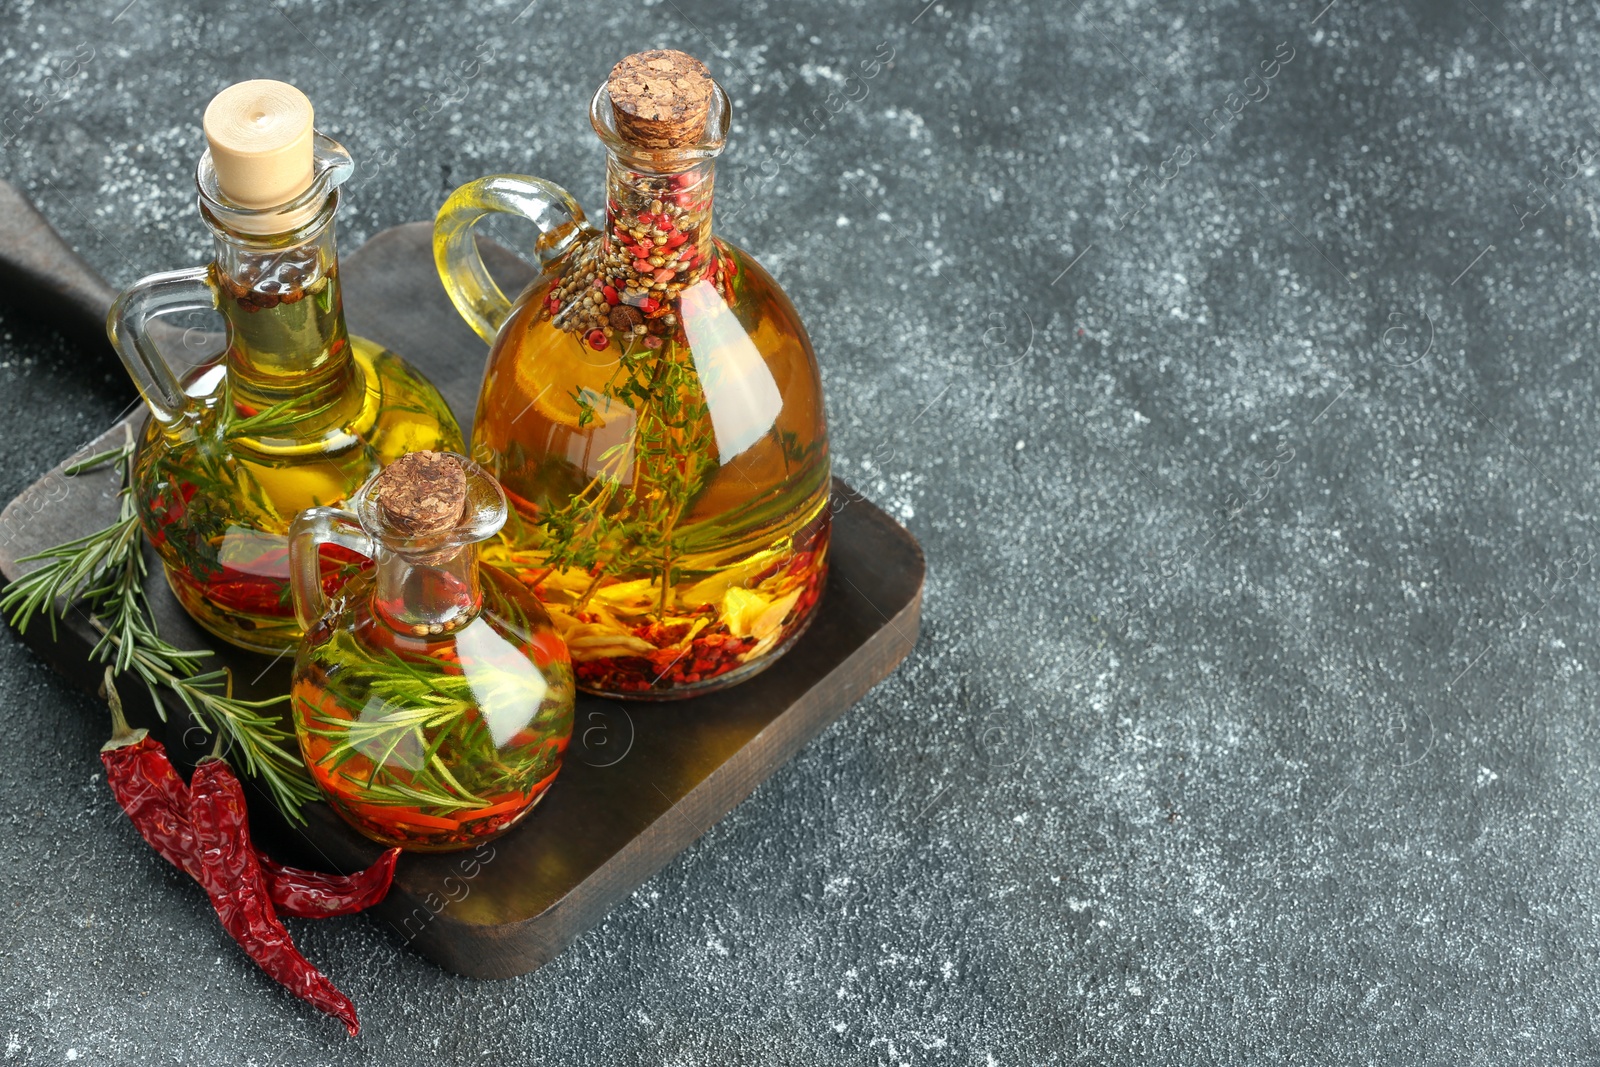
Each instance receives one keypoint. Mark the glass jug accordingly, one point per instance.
(652, 406)
(431, 696)
(295, 413)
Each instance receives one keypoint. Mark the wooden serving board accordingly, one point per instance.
(641, 781)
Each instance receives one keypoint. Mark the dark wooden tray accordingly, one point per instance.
(641, 781)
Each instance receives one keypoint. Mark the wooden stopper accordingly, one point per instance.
(661, 99)
(422, 493)
(260, 137)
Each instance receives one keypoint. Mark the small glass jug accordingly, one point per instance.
(652, 406)
(431, 696)
(296, 412)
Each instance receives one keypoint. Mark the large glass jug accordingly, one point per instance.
(652, 406)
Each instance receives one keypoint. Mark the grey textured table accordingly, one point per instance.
(1249, 424)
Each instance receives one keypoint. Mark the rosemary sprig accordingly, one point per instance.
(284, 417)
(255, 736)
(411, 716)
(74, 565)
(423, 738)
(105, 572)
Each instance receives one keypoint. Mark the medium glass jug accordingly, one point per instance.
(295, 413)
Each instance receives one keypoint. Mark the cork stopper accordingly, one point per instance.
(661, 99)
(422, 493)
(260, 137)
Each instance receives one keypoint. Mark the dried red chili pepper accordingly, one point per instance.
(232, 877)
(148, 789)
(156, 800)
(314, 895)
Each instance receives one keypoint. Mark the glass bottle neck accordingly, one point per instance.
(426, 595)
(285, 320)
(658, 229)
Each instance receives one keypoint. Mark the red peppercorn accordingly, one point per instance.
(598, 340)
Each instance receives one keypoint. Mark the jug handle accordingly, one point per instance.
(474, 293)
(128, 325)
(311, 529)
